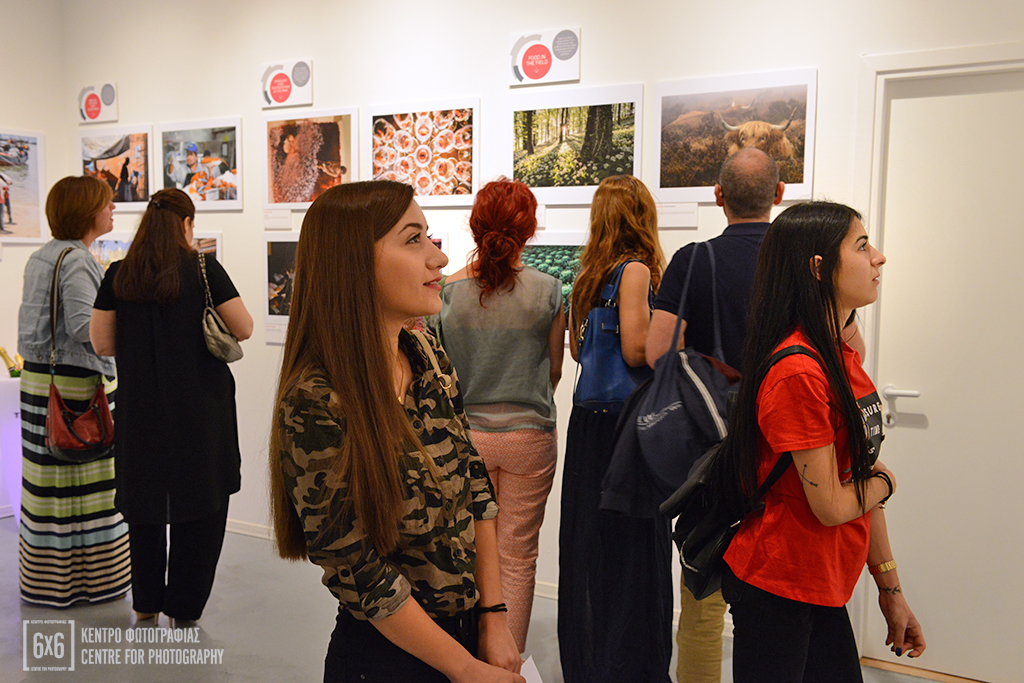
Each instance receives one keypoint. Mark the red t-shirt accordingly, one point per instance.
(786, 551)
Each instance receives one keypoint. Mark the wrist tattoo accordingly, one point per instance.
(891, 591)
(804, 477)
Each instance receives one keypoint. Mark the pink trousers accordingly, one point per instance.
(522, 466)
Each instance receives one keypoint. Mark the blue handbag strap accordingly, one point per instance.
(610, 293)
(680, 314)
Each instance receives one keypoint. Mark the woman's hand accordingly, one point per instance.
(496, 644)
(481, 672)
(905, 633)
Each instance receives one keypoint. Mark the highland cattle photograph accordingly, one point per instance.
(704, 121)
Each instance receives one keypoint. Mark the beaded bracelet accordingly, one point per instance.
(500, 607)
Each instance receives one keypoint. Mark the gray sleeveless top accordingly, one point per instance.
(500, 351)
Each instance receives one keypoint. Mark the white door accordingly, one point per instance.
(951, 326)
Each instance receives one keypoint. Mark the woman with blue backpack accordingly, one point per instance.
(793, 563)
(614, 583)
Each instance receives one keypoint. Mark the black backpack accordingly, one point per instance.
(683, 412)
(668, 421)
(706, 525)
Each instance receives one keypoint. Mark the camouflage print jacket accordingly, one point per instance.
(436, 558)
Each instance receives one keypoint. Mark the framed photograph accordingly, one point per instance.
(203, 158)
(558, 255)
(114, 245)
(110, 247)
(208, 242)
(704, 120)
(22, 187)
(121, 158)
(565, 142)
(432, 147)
(280, 277)
(308, 155)
(440, 240)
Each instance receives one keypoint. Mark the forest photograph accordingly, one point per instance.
(574, 146)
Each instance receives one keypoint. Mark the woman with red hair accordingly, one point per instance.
(503, 327)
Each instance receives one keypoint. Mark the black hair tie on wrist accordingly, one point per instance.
(500, 607)
(884, 476)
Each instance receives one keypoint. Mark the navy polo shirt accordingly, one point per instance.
(736, 252)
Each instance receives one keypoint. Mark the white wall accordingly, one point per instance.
(190, 60)
(29, 100)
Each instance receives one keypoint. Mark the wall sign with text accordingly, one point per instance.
(97, 103)
(287, 84)
(548, 57)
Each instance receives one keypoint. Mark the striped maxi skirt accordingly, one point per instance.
(73, 544)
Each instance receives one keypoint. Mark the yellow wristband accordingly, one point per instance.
(883, 568)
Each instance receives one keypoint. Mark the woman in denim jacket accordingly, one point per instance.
(73, 542)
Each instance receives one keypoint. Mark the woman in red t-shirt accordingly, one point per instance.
(793, 566)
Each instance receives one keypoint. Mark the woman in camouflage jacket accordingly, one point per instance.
(387, 496)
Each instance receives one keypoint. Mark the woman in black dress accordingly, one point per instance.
(177, 457)
(614, 571)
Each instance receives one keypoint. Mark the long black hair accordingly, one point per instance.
(787, 294)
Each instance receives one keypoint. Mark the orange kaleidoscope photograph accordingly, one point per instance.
(431, 150)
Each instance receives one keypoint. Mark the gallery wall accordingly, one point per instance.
(190, 60)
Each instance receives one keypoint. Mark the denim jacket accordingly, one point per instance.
(80, 277)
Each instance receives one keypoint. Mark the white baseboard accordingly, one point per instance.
(6, 510)
(546, 590)
(249, 529)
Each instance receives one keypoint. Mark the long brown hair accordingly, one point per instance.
(151, 272)
(504, 217)
(623, 227)
(335, 327)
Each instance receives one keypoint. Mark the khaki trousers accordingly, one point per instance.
(700, 638)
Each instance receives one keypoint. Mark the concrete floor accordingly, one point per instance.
(269, 619)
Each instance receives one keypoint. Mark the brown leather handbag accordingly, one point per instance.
(75, 437)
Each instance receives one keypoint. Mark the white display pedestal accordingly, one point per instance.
(10, 446)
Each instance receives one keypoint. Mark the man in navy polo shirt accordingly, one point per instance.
(748, 186)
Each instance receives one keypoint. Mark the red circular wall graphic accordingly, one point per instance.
(280, 87)
(92, 105)
(536, 61)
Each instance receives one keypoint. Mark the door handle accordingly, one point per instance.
(890, 393)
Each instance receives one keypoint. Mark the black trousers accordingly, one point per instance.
(178, 586)
(614, 572)
(777, 640)
(358, 652)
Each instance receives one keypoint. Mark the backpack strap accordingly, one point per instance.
(718, 353)
(787, 457)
